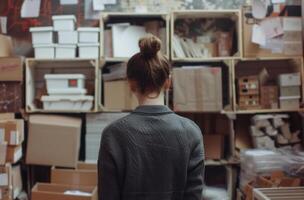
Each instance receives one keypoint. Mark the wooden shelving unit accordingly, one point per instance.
(37, 68)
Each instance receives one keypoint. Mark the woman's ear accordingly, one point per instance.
(132, 85)
(167, 84)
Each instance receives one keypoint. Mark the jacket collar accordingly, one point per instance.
(153, 109)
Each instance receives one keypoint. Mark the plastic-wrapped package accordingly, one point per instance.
(294, 162)
(215, 193)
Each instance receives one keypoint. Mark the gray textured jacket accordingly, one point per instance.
(151, 154)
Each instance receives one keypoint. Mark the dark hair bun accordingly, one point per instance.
(149, 45)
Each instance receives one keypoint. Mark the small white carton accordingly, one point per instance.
(88, 50)
(67, 37)
(74, 103)
(60, 83)
(292, 102)
(88, 35)
(65, 51)
(64, 22)
(42, 35)
(44, 51)
(292, 79)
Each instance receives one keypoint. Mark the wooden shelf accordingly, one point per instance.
(114, 60)
(268, 111)
(59, 111)
(197, 60)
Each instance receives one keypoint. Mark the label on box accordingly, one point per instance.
(3, 179)
(72, 83)
(13, 138)
(2, 134)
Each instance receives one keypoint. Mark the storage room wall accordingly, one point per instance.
(18, 27)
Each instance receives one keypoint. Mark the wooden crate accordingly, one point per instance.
(133, 18)
(35, 83)
(234, 15)
(290, 193)
(274, 66)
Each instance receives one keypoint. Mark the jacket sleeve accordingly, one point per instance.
(196, 170)
(108, 184)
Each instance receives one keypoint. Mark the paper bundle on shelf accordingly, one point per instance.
(273, 131)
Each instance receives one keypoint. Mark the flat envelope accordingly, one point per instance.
(30, 8)
(272, 27)
(258, 35)
(125, 39)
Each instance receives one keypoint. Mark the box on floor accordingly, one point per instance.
(118, 96)
(42, 191)
(197, 89)
(58, 135)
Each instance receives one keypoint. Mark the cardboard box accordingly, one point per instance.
(86, 166)
(46, 191)
(12, 101)
(11, 69)
(78, 177)
(118, 96)
(197, 89)
(3, 150)
(16, 181)
(214, 146)
(5, 175)
(53, 140)
(6, 47)
(12, 131)
(269, 97)
(13, 154)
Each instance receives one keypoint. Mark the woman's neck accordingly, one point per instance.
(152, 100)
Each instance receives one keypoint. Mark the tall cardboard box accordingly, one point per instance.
(118, 96)
(46, 191)
(12, 131)
(53, 140)
(214, 146)
(13, 154)
(6, 47)
(5, 182)
(11, 68)
(197, 89)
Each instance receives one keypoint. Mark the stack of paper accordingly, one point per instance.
(95, 125)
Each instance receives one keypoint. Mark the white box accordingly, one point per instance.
(75, 103)
(88, 50)
(64, 22)
(292, 79)
(42, 35)
(44, 51)
(290, 102)
(65, 51)
(88, 35)
(60, 83)
(68, 2)
(67, 37)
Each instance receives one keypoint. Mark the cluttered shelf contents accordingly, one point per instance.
(121, 31)
(202, 35)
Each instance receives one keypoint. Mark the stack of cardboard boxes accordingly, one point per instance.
(79, 183)
(11, 139)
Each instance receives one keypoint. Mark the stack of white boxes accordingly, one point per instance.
(68, 38)
(88, 42)
(66, 93)
(290, 92)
